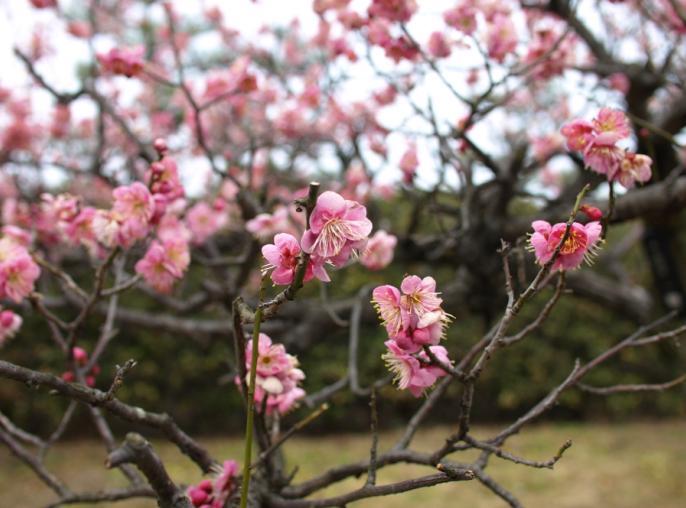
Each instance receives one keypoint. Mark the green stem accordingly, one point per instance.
(247, 459)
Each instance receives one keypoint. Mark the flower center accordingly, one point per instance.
(574, 242)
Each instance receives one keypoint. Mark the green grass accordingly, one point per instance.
(610, 466)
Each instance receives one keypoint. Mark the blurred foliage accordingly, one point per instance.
(192, 379)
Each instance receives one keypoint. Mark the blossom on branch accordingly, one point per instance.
(164, 263)
(378, 253)
(414, 319)
(414, 372)
(18, 270)
(597, 141)
(581, 243)
(125, 61)
(10, 323)
(214, 493)
(277, 376)
(283, 256)
(337, 228)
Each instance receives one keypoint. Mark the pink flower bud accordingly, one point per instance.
(592, 212)
(80, 356)
(160, 146)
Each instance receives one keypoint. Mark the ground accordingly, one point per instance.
(610, 465)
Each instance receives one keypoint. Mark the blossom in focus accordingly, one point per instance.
(164, 263)
(283, 256)
(277, 376)
(414, 373)
(125, 61)
(337, 227)
(580, 245)
(597, 141)
(378, 253)
(412, 315)
(214, 493)
(9, 325)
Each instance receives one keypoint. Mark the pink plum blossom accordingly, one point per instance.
(633, 168)
(462, 17)
(611, 125)
(133, 209)
(9, 325)
(265, 225)
(413, 316)
(580, 245)
(164, 263)
(392, 10)
(277, 376)
(125, 61)
(409, 163)
(597, 141)
(203, 221)
(18, 270)
(502, 37)
(438, 45)
(378, 253)
(414, 373)
(283, 256)
(162, 178)
(214, 493)
(337, 227)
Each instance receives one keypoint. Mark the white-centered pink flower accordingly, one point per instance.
(413, 316)
(414, 372)
(283, 256)
(597, 141)
(580, 245)
(337, 227)
(277, 376)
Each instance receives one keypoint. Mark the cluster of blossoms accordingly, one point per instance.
(80, 357)
(581, 243)
(214, 493)
(338, 228)
(18, 270)
(124, 61)
(277, 376)
(9, 325)
(414, 319)
(597, 140)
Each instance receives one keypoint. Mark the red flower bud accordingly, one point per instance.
(592, 212)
